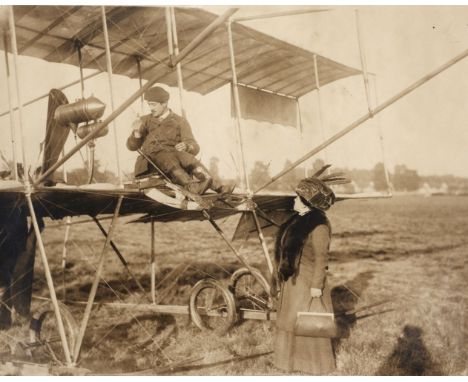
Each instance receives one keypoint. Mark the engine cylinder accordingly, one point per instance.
(84, 110)
(83, 130)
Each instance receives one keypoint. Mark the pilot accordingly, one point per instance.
(166, 139)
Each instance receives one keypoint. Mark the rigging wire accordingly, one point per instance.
(112, 289)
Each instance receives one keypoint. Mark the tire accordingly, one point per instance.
(212, 306)
(251, 292)
(44, 332)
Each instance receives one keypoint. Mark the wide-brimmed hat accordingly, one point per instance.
(315, 191)
(156, 94)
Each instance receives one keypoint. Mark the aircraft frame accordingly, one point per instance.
(244, 204)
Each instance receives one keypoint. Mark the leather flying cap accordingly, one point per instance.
(156, 94)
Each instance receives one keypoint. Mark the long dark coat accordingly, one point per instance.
(309, 265)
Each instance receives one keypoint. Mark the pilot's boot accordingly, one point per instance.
(204, 177)
(179, 176)
(202, 173)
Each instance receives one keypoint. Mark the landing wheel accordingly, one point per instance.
(45, 336)
(212, 306)
(251, 292)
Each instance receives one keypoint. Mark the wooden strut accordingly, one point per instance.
(381, 138)
(183, 309)
(64, 257)
(91, 145)
(229, 244)
(367, 116)
(50, 283)
(92, 293)
(319, 104)
(140, 81)
(174, 45)
(10, 106)
(362, 55)
(263, 243)
(111, 89)
(37, 231)
(119, 255)
(245, 179)
(197, 41)
(80, 66)
(153, 264)
(153, 254)
(65, 239)
(365, 76)
(279, 14)
(14, 48)
(245, 183)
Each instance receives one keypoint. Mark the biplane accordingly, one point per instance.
(183, 47)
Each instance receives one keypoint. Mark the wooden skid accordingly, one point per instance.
(245, 314)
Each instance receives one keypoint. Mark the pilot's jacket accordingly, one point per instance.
(157, 141)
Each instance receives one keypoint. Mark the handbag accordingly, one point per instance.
(317, 322)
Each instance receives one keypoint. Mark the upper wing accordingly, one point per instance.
(138, 34)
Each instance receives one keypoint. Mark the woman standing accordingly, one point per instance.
(302, 259)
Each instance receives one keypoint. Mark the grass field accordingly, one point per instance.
(406, 256)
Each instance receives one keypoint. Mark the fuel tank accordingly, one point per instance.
(83, 130)
(84, 110)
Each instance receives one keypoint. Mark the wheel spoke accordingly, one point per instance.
(212, 306)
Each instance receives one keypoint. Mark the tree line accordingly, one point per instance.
(401, 178)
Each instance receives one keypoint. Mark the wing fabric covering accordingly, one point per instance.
(270, 222)
(56, 134)
(262, 106)
(138, 37)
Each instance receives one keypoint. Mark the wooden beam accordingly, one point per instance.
(182, 309)
(292, 12)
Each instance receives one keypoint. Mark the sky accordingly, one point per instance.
(427, 130)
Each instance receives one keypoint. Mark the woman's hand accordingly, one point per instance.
(315, 292)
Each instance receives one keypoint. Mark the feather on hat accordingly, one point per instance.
(315, 191)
